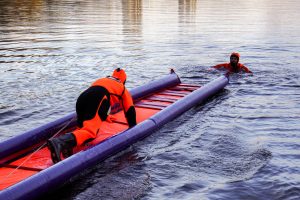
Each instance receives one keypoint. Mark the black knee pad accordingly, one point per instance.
(88, 103)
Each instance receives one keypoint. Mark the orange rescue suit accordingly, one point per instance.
(94, 104)
(118, 93)
(228, 66)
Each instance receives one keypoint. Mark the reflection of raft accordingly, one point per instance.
(27, 175)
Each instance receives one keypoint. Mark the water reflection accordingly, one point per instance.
(132, 16)
(187, 10)
(23, 11)
(132, 12)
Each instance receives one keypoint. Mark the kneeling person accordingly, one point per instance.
(92, 108)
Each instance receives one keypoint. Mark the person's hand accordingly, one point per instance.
(110, 119)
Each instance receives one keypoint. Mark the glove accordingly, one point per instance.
(110, 119)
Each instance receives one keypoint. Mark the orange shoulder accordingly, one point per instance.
(244, 68)
(225, 65)
(100, 82)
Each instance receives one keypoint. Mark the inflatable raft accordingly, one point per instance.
(26, 169)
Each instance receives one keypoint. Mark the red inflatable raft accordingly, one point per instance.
(26, 169)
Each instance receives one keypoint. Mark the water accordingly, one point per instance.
(243, 144)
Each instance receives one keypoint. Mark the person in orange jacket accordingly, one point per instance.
(234, 66)
(92, 108)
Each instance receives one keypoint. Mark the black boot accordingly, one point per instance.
(63, 144)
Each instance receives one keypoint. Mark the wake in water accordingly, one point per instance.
(233, 159)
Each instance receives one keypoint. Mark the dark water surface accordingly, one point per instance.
(243, 144)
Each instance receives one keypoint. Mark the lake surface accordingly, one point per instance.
(242, 144)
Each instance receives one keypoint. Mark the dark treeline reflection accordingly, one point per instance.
(38, 12)
(21, 10)
(187, 6)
